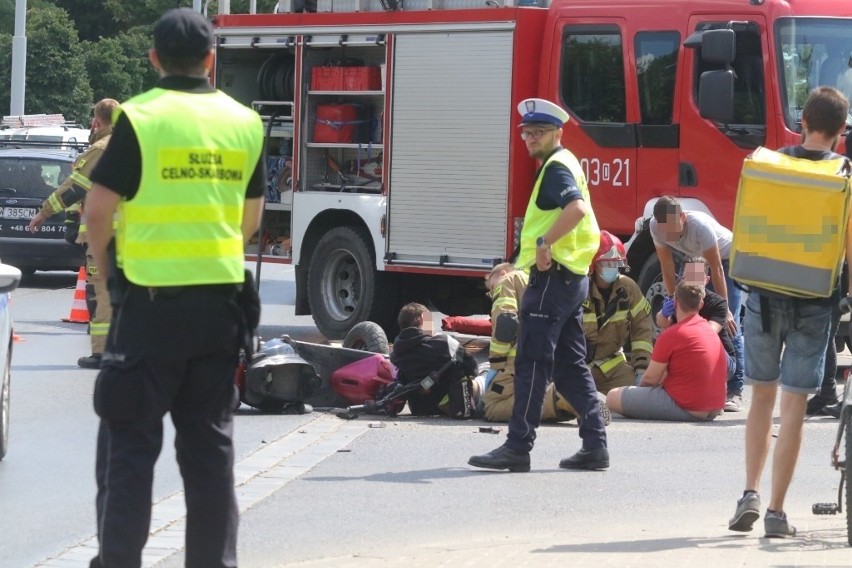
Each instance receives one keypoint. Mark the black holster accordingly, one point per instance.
(117, 283)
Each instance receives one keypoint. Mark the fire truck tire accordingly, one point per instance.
(344, 287)
(650, 281)
(367, 336)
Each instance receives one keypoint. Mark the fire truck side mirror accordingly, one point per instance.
(716, 95)
(719, 46)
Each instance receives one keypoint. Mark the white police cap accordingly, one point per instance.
(540, 110)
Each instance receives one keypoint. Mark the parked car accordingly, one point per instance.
(10, 277)
(27, 177)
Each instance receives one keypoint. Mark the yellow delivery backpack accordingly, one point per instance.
(790, 224)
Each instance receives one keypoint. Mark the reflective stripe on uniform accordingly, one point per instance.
(607, 365)
(500, 348)
(641, 306)
(54, 202)
(98, 329)
(641, 346)
(508, 303)
(81, 180)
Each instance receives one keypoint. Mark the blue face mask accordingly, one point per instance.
(608, 274)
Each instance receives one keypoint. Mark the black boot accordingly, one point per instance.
(587, 459)
(832, 409)
(92, 361)
(818, 402)
(503, 457)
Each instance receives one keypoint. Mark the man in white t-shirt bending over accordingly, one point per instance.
(695, 233)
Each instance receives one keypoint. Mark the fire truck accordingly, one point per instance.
(397, 172)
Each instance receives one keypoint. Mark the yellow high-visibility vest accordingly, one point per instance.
(183, 226)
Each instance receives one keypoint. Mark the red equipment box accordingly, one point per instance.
(345, 123)
(327, 78)
(362, 79)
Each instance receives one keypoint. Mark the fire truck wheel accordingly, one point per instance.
(367, 336)
(344, 287)
(650, 281)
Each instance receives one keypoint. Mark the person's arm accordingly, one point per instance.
(641, 330)
(72, 189)
(655, 374)
(715, 312)
(101, 204)
(667, 267)
(570, 217)
(717, 276)
(252, 210)
(662, 321)
(657, 369)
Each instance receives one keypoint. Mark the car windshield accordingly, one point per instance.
(813, 52)
(31, 177)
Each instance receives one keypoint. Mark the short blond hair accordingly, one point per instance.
(689, 296)
(103, 110)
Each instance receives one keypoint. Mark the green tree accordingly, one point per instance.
(7, 16)
(118, 67)
(57, 81)
(5, 73)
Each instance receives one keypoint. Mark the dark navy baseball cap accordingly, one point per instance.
(183, 33)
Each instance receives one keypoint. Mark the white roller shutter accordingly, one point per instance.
(449, 165)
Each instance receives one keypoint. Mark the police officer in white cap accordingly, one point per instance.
(558, 241)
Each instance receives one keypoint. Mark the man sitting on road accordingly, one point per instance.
(685, 380)
(714, 308)
(419, 354)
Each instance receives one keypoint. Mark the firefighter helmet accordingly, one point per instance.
(611, 252)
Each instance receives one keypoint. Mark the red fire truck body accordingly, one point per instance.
(422, 185)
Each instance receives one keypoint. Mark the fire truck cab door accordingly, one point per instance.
(588, 74)
(709, 149)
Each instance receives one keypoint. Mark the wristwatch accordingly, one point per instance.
(540, 242)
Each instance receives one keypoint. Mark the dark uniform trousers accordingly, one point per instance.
(551, 344)
(176, 352)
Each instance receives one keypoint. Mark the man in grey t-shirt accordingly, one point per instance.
(695, 233)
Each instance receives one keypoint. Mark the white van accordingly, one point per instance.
(56, 136)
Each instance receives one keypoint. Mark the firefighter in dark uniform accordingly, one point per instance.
(69, 197)
(558, 241)
(184, 179)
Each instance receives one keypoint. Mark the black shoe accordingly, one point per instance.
(587, 459)
(832, 410)
(92, 361)
(817, 403)
(503, 457)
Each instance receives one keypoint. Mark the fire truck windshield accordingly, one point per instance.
(813, 52)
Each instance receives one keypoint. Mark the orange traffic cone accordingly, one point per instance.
(79, 310)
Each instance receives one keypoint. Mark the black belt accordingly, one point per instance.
(557, 268)
(175, 291)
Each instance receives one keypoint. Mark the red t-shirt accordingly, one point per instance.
(697, 364)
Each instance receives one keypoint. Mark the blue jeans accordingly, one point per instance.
(793, 348)
(735, 304)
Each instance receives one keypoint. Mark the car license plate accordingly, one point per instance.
(18, 212)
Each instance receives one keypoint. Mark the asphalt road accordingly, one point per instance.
(318, 491)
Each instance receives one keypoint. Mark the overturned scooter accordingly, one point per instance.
(459, 400)
(394, 400)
